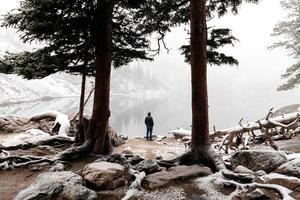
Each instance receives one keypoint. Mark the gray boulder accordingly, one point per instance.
(113, 158)
(175, 173)
(58, 167)
(243, 178)
(257, 194)
(258, 160)
(57, 185)
(104, 175)
(291, 168)
(148, 166)
(135, 160)
(243, 170)
(260, 173)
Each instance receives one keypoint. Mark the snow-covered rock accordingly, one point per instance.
(104, 175)
(57, 185)
(175, 173)
(113, 158)
(258, 159)
(257, 194)
(243, 170)
(180, 133)
(148, 166)
(291, 168)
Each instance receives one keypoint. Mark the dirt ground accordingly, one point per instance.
(13, 181)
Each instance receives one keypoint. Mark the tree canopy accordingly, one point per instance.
(288, 31)
(66, 31)
(89, 36)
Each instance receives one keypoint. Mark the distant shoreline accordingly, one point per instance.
(34, 100)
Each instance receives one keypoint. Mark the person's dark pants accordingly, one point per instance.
(149, 132)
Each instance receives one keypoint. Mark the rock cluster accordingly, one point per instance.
(111, 176)
(57, 185)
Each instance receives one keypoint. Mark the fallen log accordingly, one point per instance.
(285, 121)
(61, 125)
(180, 133)
(288, 123)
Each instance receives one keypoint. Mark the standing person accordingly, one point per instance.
(149, 125)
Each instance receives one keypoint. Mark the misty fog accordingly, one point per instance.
(247, 90)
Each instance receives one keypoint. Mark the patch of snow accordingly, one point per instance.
(168, 193)
(64, 122)
(209, 185)
(293, 156)
(29, 136)
(180, 131)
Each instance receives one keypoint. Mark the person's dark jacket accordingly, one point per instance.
(149, 121)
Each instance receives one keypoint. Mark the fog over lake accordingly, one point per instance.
(247, 90)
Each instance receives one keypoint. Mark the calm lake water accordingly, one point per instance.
(171, 110)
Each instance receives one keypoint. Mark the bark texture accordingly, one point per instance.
(200, 128)
(98, 128)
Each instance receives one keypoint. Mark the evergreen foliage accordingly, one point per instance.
(289, 32)
(170, 13)
(67, 32)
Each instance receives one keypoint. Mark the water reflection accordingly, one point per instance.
(170, 111)
(127, 112)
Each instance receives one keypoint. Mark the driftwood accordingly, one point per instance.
(61, 124)
(267, 126)
(285, 121)
(283, 126)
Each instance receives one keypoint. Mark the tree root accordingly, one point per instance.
(12, 162)
(205, 156)
(136, 184)
(284, 192)
(74, 152)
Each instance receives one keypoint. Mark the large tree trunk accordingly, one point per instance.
(200, 128)
(98, 128)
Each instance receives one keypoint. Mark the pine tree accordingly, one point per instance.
(90, 36)
(202, 49)
(289, 31)
(79, 37)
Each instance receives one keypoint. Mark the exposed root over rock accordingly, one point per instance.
(206, 157)
(135, 186)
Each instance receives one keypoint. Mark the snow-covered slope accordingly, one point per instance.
(14, 89)
(132, 82)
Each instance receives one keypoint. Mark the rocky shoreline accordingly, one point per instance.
(134, 170)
